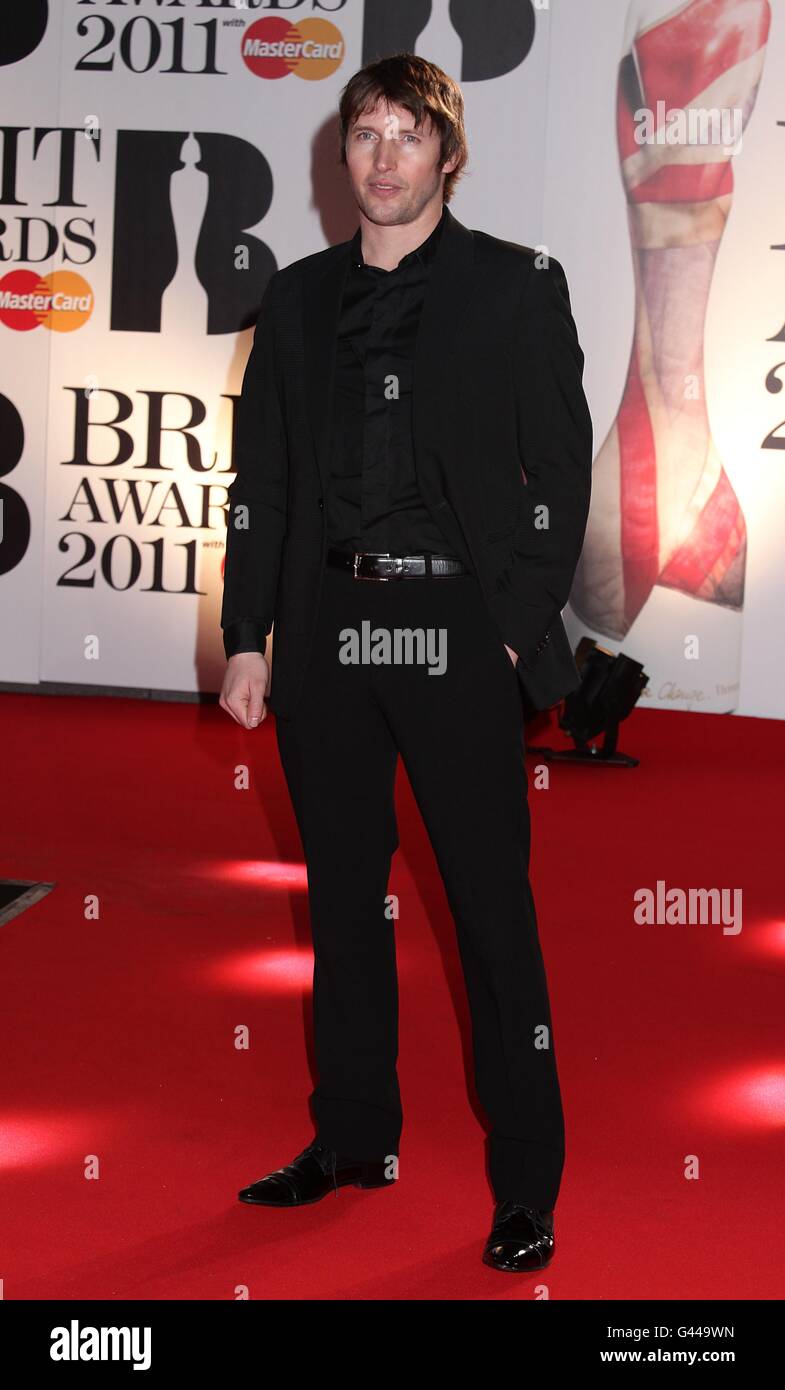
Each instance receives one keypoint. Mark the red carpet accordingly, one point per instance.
(118, 1032)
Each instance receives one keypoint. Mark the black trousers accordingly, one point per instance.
(460, 735)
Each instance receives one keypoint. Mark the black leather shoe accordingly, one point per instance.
(521, 1238)
(311, 1175)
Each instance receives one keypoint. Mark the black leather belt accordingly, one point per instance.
(384, 566)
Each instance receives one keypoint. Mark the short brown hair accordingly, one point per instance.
(422, 89)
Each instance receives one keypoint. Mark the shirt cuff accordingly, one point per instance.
(245, 635)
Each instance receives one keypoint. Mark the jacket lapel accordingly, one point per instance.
(322, 295)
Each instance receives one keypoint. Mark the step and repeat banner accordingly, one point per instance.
(161, 159)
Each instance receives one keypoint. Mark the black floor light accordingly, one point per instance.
(610, 688)
(18, 894)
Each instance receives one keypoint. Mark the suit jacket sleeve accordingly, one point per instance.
(555, 443)
(256, 518)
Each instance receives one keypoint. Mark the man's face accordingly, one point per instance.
(393, 168)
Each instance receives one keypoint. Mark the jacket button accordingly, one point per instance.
(321, 504)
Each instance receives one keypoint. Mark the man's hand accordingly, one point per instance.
(512, 655)
(245, 686)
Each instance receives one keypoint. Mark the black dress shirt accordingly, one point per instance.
(373, 501)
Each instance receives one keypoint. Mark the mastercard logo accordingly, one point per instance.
(61, 301)
(312, 49)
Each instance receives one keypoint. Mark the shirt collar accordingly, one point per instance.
(425, 252)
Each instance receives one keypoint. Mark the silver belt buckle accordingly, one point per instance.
(358, 556)
(376, 555)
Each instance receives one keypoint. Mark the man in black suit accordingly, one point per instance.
(413, 453)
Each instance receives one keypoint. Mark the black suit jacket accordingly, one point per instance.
(502, 440)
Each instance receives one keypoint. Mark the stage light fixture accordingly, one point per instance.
(610, 688)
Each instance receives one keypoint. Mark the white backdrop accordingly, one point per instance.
(108, 595)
